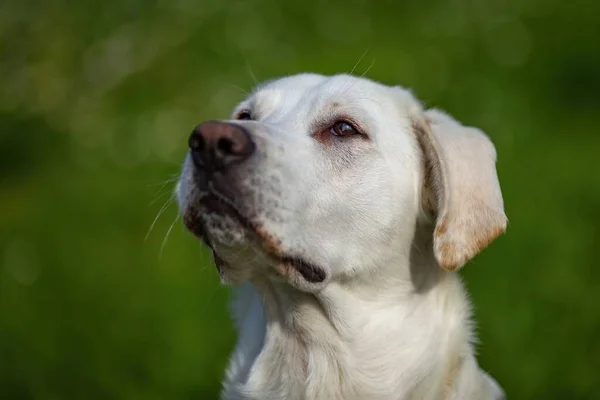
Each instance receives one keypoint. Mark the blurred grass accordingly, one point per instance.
(97, 99)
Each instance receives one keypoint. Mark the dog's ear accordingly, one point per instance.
(461, 188)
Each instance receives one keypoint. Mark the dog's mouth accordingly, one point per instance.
(213, 202)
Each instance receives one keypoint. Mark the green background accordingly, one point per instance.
(97, 99)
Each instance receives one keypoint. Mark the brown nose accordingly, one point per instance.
(216, 145)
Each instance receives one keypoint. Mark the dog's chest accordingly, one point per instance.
(272, 363)
(380, 354)
(288, 371)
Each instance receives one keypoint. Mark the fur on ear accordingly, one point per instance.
(461, 188)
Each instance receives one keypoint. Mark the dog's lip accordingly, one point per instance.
(216, 202)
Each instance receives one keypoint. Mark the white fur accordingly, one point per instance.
(387, 322)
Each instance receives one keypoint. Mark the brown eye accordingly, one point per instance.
(342, 128)
(244, 115)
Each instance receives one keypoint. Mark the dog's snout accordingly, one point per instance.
(216, 145)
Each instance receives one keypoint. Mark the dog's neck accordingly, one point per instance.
(368, 334)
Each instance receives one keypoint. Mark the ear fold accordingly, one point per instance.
(461, 188)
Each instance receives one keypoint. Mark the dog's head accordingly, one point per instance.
(320, 178)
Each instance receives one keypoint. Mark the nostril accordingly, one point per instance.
(196, 142)
(225, 146)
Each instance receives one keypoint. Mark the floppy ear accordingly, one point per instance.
(461, 188)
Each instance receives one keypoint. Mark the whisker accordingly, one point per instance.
(363, 98)
(159, 193)
(251, 73)
(244, 92)
(342, 90)
(159, 196)
(160, 212)
(360, 59)
(202, 248)
(362, 76)
(172, 178)
(164, 242)
(368, 69)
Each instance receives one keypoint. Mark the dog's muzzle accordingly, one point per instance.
(217, 149)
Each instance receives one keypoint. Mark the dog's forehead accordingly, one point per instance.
(315, 89)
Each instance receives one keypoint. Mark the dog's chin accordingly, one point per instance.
(238, 242)
(216, 221)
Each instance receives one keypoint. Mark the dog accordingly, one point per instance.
(341, 209)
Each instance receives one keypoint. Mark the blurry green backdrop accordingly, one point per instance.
(97, 99)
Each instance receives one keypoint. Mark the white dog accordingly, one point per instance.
(342, 210)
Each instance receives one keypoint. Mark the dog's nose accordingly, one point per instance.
(216, 145)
